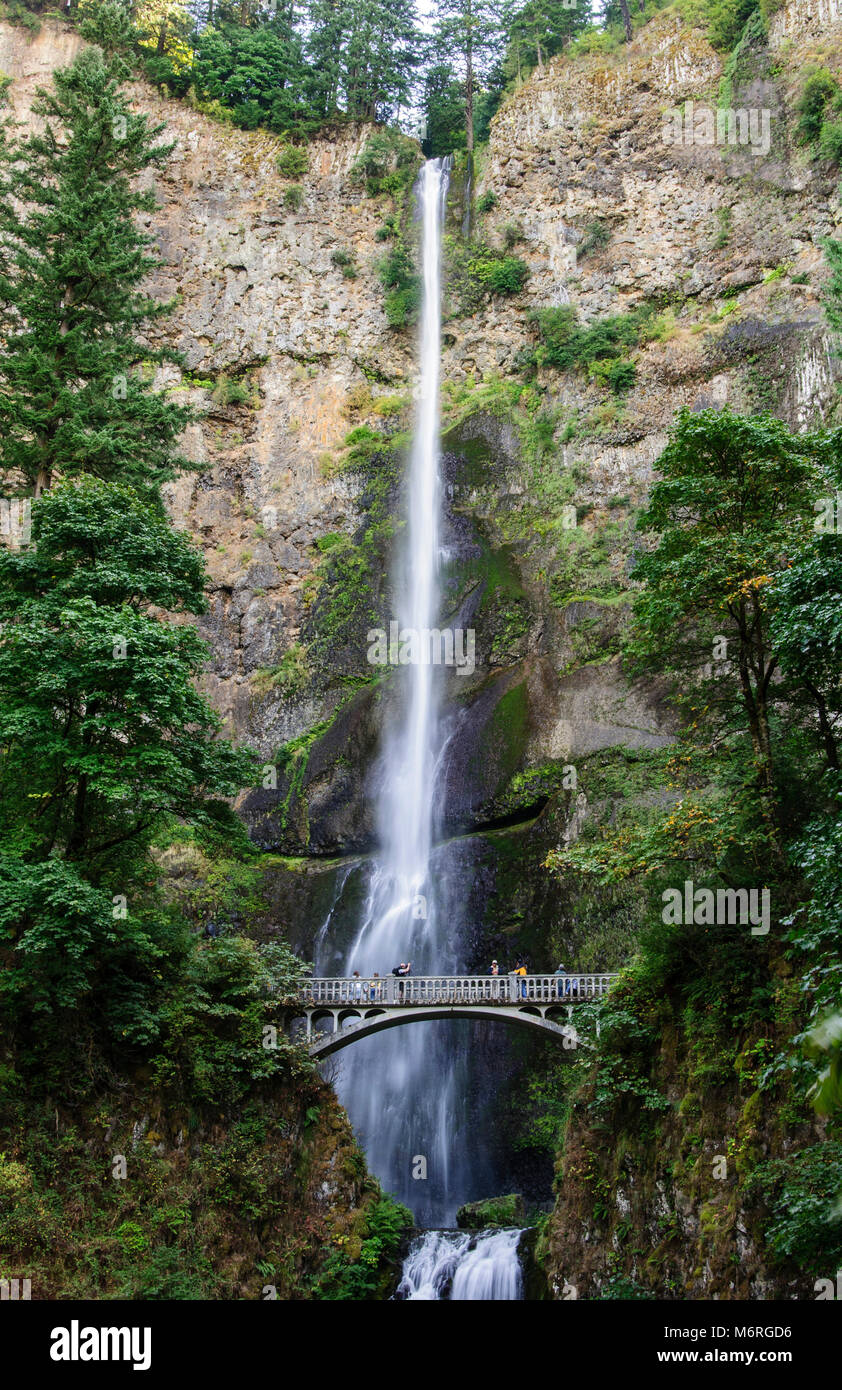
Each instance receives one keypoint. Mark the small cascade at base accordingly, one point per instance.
(463, 1266)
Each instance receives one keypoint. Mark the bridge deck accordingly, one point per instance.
(358, 1007)
(511, 990)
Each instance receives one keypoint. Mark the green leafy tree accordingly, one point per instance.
(104, 736)
(363, 54)
(806, 633)
(833, 295)
(73, 398)
(733, 503)
(258, 74)
(444, 111)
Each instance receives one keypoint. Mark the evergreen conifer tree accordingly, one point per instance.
(75, 377)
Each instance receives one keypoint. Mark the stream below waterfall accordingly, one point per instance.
(481, 1266)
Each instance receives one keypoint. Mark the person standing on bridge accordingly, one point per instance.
(520, 969)
(402, 970)
(357, 987)
(563, 982)
(495, 969)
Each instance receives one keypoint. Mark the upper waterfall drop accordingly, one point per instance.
(400, 921)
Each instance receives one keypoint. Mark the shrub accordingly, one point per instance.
(512, 234)
(501, 274)
(366, 1277)
(230, 392)
(801, 1192)
(344, 261)
(620, 374)
(293, 197)
(478, 271)
(293, 161)
(597, 235)
(487, 202)
(817, 91)
(387, 163)
(565, 344)
(399, 276)
(830, 142)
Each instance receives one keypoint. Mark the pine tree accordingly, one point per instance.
(469, 30)
(363, 53)
(539, 30)
(75, 382)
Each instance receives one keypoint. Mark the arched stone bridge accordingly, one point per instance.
(356, 1008)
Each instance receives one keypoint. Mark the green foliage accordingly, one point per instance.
(731, 510)
(617, 374)
(210, 1023)
(105, 739)
(726, 20)
(478, 271)
(444, 111)
(804, 1222)
(231, 391)
(399, 276)
(72, 396)
(365, 1277)
(620, 1286)
(724, 219)
(293, 161)
(830, 142)
(293, 197)
(344, 260)
(819, 111)
(597, 235)
(819, 89)
(259, 76)
(487, 202)
(387, 164)
(833, 293)
(290, 676)
(565, 344)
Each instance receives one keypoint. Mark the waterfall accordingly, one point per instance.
(397, 919)
(458, 1266)
(402, 1098)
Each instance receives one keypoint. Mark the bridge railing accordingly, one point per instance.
(454, 989)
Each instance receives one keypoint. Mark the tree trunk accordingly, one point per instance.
(825, 726)
(757, 715)
(627, 24)
(469, 99)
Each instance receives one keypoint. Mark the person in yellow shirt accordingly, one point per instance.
(520, 969)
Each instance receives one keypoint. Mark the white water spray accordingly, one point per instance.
(461, 1267)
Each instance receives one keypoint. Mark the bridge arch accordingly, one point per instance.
(376, 1021)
